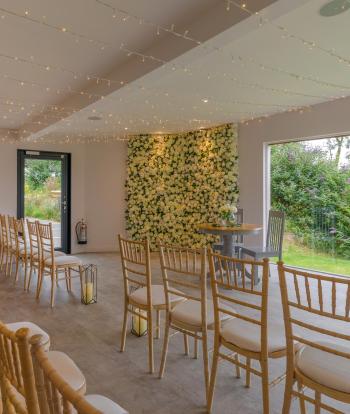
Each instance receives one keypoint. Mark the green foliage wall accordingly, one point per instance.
(177, 181)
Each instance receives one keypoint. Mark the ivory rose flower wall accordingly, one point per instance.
(176, 181)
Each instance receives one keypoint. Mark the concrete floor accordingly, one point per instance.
(91, 335)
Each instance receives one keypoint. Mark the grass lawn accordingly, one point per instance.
(301, 256)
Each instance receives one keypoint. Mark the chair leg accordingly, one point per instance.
(165, 346)
(40, 272)
(317, 402)
(66, 278)
(9, 265)
(16, 269)
(214, 370)
(195, 356)
(158, 324)
(265, 385)
(150, 341)
(186, 344)
(1, 258)
(247, 373)
(238, 369)
(125, 323)
(301, 400)
(70, 277)
(288, 388)
(53, 285)
(205, 363)
(25, 273)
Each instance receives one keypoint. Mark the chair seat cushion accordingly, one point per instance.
(57, 254)
(327, 369)
(246, 335)
(158, 296)
(104, 404)
(68, 370)
(190, 313)
(33, 330)
(64, 260)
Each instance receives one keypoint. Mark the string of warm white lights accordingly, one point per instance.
(287, 33)
(143, 57)
(172, 31)
(47, 67)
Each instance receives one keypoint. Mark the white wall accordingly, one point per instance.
(327, 119)
(98, 175)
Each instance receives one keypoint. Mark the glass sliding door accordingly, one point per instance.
(44, 192)
(310, 182)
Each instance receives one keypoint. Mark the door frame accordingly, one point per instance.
(65, 157)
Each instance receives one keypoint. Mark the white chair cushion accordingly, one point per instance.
(324, 368)
(158, 296)
(246, 335)
(189, 313)
(57, 254)
(104, 404)
(68, 370)
(64, 260)
(33, 330)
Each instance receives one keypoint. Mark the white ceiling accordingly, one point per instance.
(200, 86)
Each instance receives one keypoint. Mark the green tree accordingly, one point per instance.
(304, 180)
(37, 172)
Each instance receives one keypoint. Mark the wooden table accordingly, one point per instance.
(228, 234)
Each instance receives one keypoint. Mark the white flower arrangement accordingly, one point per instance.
(177, 181)
(227, 212)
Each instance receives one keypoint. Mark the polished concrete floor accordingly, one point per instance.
(91, 335)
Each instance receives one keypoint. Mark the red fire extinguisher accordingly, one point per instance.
(81, 232)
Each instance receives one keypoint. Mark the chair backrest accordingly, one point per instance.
(275, 232)
(33, 237)
(316, 308)
(232, 281)
(47, 248)
(21, 235)
(136, 264)
(13, 232)
(55, 395)
(17, 375)
(184, 275)
(4, 231)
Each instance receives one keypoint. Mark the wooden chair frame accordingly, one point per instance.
(317, 306)
(52, 269)
(5, 245)
(17, 371)
(136, 265)
(18, 247)
(189, 266)
(229, 274)
(34, 256)
(55, 396)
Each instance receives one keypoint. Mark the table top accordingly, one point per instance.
(243, 228)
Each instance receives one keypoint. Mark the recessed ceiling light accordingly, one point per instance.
(334, 7)
(205, 100)
(126, 128)
(94, 118)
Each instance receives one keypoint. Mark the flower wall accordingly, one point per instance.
(177, 181)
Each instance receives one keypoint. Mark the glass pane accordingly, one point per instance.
(42, 193)
(310, 182)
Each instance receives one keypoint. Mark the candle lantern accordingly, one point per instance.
(88, 276)
(138, 321)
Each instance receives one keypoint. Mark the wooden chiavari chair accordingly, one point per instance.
(184, 276)
(5, 245)
(14, 361)
(53, 265)
(248, 334)
(316, 311)
(18, 247)
(16, 375)
(34, 251)
(136, 264)
(56, 396)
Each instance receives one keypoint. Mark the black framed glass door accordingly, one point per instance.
(43, 191)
